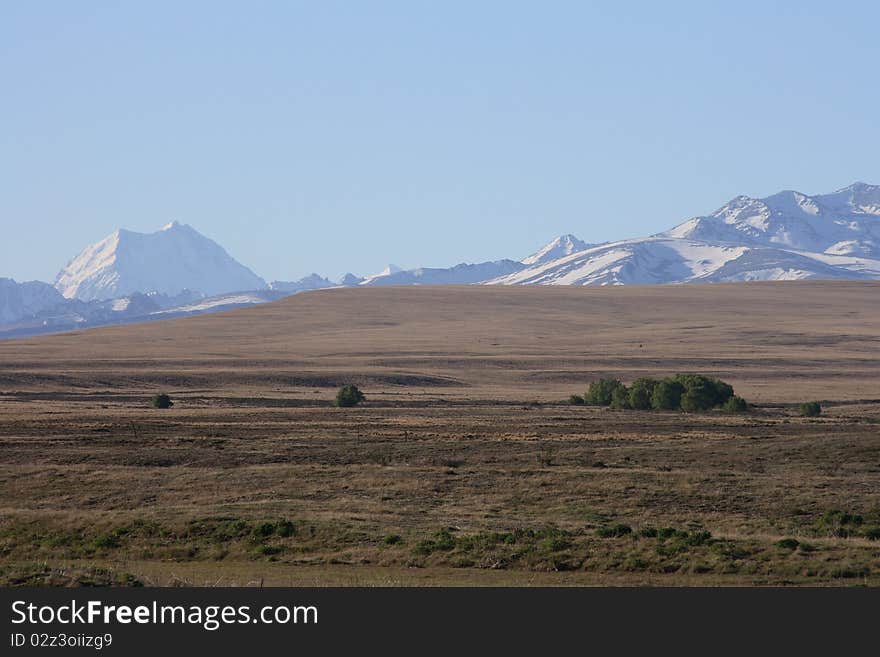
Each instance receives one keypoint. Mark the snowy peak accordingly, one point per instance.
(389, 270)
(844, 222)
(169, 261)
(562, 246)
(858, 198)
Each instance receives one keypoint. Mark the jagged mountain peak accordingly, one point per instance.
(558, 247)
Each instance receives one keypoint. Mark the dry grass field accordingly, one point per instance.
(465, 465)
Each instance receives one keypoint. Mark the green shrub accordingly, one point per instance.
(667, 395)
(641, 393)
(788, 543)
(285, 528)
(576, 400)
(162, 401)
(441, 541)
(614, 531)
(840, 524)
(620, 398)
(546, 455)
(811, 409)
(601, 392)
(735, 404)
(349, 395)
(107, 541)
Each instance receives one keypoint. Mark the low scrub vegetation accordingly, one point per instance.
(161, 401)
(686, 392)
(348, 396)
(811, 409)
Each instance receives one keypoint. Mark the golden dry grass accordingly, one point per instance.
(464, 428)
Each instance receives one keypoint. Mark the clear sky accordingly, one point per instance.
(334, 136)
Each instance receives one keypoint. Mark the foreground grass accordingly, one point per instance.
(47, 551)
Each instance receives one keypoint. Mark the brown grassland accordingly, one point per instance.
(465, 465)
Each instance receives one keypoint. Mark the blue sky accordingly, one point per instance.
(334, 136)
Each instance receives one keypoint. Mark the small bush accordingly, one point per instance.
(614, 531)
(811, 409)
(285, 528)
(349, 395)
(576, 400)
(788, 543)
(107, 541)
(872, 533)
(839, 524)
(162, 401)
(392, 539)
(735, 404)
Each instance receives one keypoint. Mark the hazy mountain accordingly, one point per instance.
(21, 300)
(310, 282)
(169, 261)
(462, 274)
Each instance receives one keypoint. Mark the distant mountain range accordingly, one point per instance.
(176, 271)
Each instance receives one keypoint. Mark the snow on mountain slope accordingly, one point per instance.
(562, 246)
(20, 300)
(629, 262)
(858, 198)
(168, 261)
(388, 271)
(660, 260)
(462, 274)
(846, 222)
(223, 302)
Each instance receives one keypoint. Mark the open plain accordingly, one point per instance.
(466, 464)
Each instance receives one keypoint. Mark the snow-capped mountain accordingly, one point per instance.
(660, 260)
(388, 271)
(842, 223)
(176, 271)
(787, 236)
(562, 246)
(169, 261)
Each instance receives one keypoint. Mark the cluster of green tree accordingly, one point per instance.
(686, 392)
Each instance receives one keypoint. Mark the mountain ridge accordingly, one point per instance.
(129, 276)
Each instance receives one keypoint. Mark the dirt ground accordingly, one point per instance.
(465, 465)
